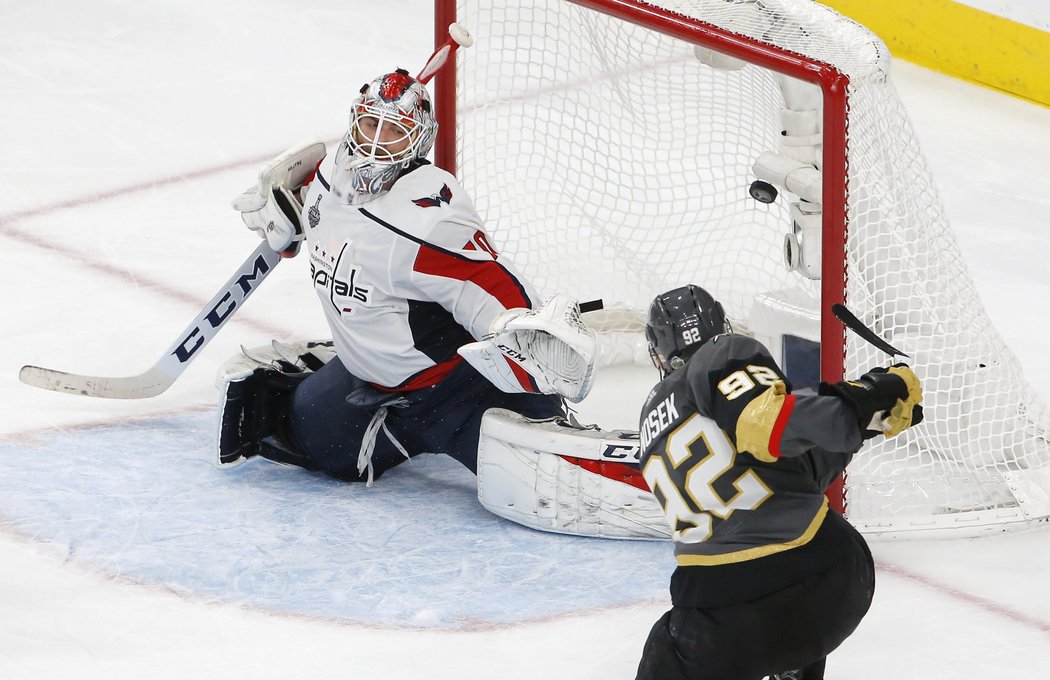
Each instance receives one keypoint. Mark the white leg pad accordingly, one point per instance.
(526, 473)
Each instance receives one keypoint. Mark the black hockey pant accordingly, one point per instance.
(445, 418)
(793, 628)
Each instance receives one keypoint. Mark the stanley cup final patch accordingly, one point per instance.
(313, 215)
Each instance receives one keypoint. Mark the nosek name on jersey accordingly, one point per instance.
(659, 418)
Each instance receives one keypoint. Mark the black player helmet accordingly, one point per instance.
(680, 321)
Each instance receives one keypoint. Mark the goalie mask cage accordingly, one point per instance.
(610, 158)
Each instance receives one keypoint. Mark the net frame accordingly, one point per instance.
(838, 350)
(832, 82)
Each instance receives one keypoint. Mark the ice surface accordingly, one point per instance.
(144, 501)
(126, 130)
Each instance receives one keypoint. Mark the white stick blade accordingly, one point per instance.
(148, 384)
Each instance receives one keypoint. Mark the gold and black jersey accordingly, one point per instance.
(740, 466)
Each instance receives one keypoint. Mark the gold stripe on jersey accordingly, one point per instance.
(754, 427)
(692, 560)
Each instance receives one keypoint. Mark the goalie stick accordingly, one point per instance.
(221, 307)
(173, 362)
(850, 320)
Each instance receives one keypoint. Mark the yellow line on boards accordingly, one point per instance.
(961, 41)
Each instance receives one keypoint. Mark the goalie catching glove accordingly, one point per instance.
(547, 350)
(887, 400)
(272, 208)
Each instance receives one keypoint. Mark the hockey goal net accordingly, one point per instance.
(610, 146)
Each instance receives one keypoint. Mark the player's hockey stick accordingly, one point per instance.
(854, 324)
(458, 36)
(174, 361)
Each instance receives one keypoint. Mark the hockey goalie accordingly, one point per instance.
(439, 344)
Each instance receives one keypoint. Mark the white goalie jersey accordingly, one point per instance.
(406, 279)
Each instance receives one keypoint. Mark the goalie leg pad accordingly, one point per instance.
(553, 477)
(255, 389)
(253, 414)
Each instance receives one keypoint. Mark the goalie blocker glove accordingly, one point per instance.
(272, 208)
(548, 350)
(887, 400)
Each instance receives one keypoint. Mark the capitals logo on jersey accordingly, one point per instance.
(339, 278)
(435, 201)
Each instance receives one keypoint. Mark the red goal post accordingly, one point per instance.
(609, 161)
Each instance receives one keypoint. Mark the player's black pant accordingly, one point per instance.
(445, 418)
(789, 629)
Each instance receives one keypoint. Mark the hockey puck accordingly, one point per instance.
(763, 192)
(591, 306)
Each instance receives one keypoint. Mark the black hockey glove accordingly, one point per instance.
(887, 400)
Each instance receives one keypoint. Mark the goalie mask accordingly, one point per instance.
(680, 321)
(391, 126)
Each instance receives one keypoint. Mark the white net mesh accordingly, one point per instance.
(609, 162)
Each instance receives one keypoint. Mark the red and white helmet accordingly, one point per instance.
(391, 125)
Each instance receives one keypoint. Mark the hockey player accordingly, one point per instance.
(769, 579)
(431, 326)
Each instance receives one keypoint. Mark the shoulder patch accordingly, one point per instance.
(313, 215)
(435, 200)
